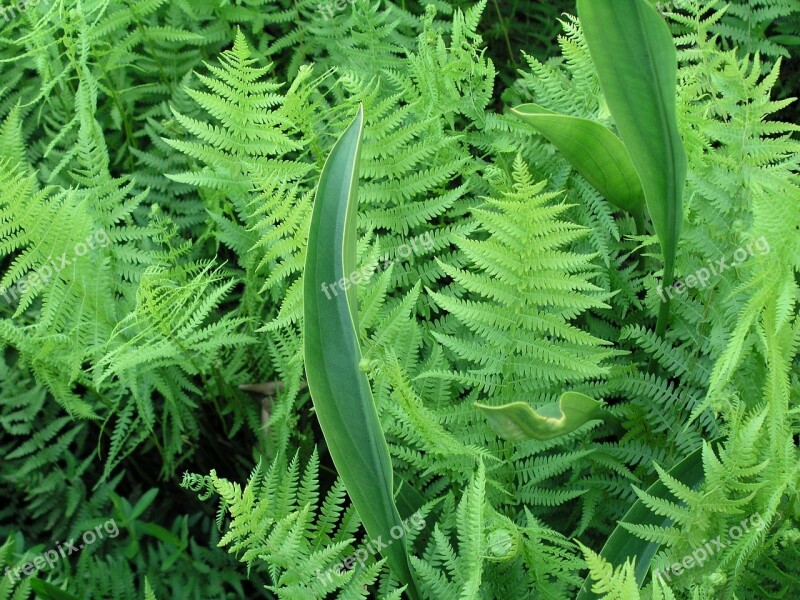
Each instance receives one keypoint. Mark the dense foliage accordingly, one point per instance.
(158, 168)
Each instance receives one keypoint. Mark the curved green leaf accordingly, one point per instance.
(632, 48)
(594, 152)
(518, 421)
(339, 389)
(47, 591)
(623, 545)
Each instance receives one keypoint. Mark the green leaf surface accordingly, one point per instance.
(636, 60)
(593, 151)
(47, 591)
(339, 389)
(623, 545)
(518, 422)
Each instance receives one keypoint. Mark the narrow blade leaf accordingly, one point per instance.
(593, 151)
(632, 48)
(340, 391)
(623, 545)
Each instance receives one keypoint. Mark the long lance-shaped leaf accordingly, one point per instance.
(623, 545)
(632, 48)
(339, 389)
(594, 152)
(518, 421)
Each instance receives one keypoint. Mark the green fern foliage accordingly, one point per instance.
(158, 168)
(522, 343)
(280, 517)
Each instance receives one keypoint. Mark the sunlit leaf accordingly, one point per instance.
(339, 389)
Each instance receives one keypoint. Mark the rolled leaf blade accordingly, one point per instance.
(339, 390)
(518, 421)
(632, 49)
(593, 151)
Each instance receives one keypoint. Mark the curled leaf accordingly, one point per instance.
(593, 151)
(518, 421)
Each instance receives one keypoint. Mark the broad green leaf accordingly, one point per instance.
(635, 57)
(594, 152)
(47, 591)
(339, 389)
(623, 545)
(517, 421)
